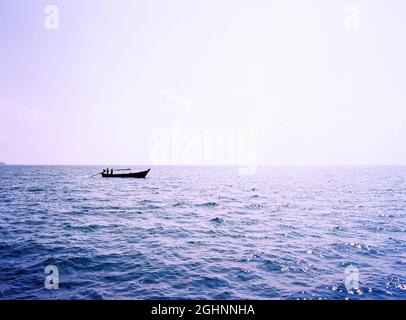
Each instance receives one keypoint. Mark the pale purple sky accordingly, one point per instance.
(92, 91)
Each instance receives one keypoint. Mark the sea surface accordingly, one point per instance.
(204, 233)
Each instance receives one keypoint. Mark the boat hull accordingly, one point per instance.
(140, 175)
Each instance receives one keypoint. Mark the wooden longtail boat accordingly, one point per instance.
(141, 174)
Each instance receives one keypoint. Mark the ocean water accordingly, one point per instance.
(204, 233)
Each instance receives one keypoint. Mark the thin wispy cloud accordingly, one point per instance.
(174, 100)
(19, 113)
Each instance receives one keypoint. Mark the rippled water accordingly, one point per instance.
(203, 233)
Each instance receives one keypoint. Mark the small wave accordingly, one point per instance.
(84, 228)
(36, 190)
(270, 265)
(363, 248)
(255, 206)
(218, 220)
(148, 205)
(181, 204)
(208, 204)
(211, 282)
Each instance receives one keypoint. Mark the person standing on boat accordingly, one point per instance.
(107, 170)
(111, 171)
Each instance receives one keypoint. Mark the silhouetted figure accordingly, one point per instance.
(111, 170)
(107, 170)
(104, 171)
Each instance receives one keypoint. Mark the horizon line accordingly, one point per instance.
(202, 165)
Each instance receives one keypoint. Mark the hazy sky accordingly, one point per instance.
(316, 89)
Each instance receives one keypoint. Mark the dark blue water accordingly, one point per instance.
(203, 233)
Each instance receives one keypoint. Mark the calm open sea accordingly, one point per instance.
(204, 233)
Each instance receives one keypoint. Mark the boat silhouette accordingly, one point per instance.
(140, 174)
